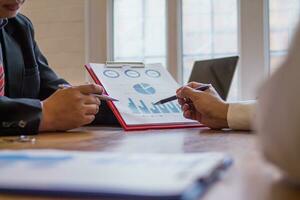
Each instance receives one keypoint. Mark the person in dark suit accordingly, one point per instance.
(30, 98)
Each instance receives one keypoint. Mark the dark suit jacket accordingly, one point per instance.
(29, 79)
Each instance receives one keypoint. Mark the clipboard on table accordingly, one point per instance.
(137, 87)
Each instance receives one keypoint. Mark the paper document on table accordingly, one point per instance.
(108, 174)
(137, 89)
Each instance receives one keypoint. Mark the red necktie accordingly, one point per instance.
(2, 80)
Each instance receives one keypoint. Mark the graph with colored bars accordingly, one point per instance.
(140, 107)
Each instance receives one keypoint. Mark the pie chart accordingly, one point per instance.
(144, 88)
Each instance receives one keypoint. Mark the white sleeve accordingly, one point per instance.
(240, 115)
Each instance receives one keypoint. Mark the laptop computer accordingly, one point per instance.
(218, 72)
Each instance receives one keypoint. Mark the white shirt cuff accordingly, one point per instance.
(240, 115)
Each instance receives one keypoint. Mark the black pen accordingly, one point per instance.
(172, 98)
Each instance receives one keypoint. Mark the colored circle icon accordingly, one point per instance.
(144, 88)
(132, 73)
(111, 74)
(153, 73)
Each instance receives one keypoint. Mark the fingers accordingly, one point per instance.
(187, 114)
(88, 119)
(189, 93)
(90, 89)
(192, 85)
(184, 107)
(92, 109)
(195, 84)
(86, 98)
(181, 101)
(90, 112)
(90, 99)
(189, 111)
(178, 90)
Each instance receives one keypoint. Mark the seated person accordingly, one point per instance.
(30, 98)
(278, 113)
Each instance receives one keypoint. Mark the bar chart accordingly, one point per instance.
(140, 107)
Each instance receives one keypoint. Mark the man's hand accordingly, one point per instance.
(70, 108)
(206, 107)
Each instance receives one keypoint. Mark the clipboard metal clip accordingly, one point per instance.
(110, 64)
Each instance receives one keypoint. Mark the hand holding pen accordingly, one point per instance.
(172, 98)
(206, 107)
(70, 107)
(102, 97)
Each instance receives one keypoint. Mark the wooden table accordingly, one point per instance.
(249, 178)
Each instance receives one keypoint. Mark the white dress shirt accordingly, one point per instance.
(277, 115)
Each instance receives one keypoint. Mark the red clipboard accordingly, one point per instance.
(138, 127)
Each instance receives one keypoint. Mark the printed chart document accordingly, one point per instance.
(137, 89)
(113, 175)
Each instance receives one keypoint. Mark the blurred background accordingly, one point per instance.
(172, 32)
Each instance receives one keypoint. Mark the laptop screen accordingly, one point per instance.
(218, 72)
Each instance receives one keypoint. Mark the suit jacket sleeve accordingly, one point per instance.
(23, 115)
(19, 116)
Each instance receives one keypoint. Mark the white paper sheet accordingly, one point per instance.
(138, 89)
